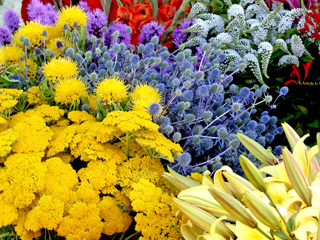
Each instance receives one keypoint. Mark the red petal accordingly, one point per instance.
(306, 67)
(290, 81)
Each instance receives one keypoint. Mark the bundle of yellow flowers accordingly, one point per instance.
(280, 200)
(76, 177)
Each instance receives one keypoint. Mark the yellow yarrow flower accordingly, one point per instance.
(59, 69)
(112, 89)
(33, 31)
(70, 15)
(35, 96)
(143, 96)
(70, 91)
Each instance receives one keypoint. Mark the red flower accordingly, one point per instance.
(296, 73)
(166, 12)
(135, 17)
(312, 24)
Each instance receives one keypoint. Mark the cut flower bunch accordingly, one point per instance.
(99, 98)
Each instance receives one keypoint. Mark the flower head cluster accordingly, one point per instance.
(45, 13)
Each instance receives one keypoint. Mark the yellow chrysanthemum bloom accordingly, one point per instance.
(112, 89)
(59, 69)
(33, 31)
(53, 31)
(52, 45)
(12, 54)
(70, 91)
(32, 67)
(143, 96)
(2, 61)
(70, 15)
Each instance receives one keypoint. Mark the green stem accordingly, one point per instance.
(275, 206)
(263, 233)
(122, 235)
(132, 235)
(285, 234)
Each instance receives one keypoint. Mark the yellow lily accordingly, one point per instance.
(277, 190)
(306, 226)
(243, 232)
(190, 231)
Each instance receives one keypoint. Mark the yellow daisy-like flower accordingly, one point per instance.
(32, 67)
(33, 31)
(112, 89)
(143, 96)
(35, 96)
(70, 91)
(53, 31)
(2, 61)
(70, 15)
(52, 45)
(59, 69)
(11, 54)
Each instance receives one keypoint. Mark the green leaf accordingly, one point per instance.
(291, 221)
(286, 118)
(303, 109)
(279, 234)
(314, 124)
(290, 31)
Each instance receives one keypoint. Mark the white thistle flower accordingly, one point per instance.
(251, 11)
(265, 49)
(234, 11)
(196, 8)
(282, 44)
(244, 3)
(297, 46)
(224, 38)
(253, 64)
(288, 59)
(199, 27)
(195, 41)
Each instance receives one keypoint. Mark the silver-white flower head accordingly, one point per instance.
(200, 27)
(297, 46)
(259, 35)
(234, 11)
(265, 47)
(195, 41)
(251, 11)
(224, 38)
(288, 59)
(244, 3)
(196, 9)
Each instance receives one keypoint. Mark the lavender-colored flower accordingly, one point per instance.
(96, 21)
(5, 35)
(46, 14)
(123, 37)
(11, 18)
(84, 5)
(200, 55)
(149, 30)
(178, 35)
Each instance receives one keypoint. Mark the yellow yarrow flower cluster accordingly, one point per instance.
(51, 195)
(59, 69)
(69, 15)
(34, 96)
(156, 212)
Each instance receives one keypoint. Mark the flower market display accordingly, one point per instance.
(159, 119)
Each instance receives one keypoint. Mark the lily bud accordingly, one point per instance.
(200, 196)
(263, 156)
(178, 180)
(291, 135)
(263, 212)
(201, 218)
(239, 183)
(296, 177)
(252, 173)
(233, 207)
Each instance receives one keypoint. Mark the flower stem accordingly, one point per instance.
(263, 233)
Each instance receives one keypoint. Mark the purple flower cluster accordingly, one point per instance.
(150, 30)
(124, 36)
(11, 20)
(178, 35)
(46, 14)
(84, 5)
(96, 21)
(5, 35)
